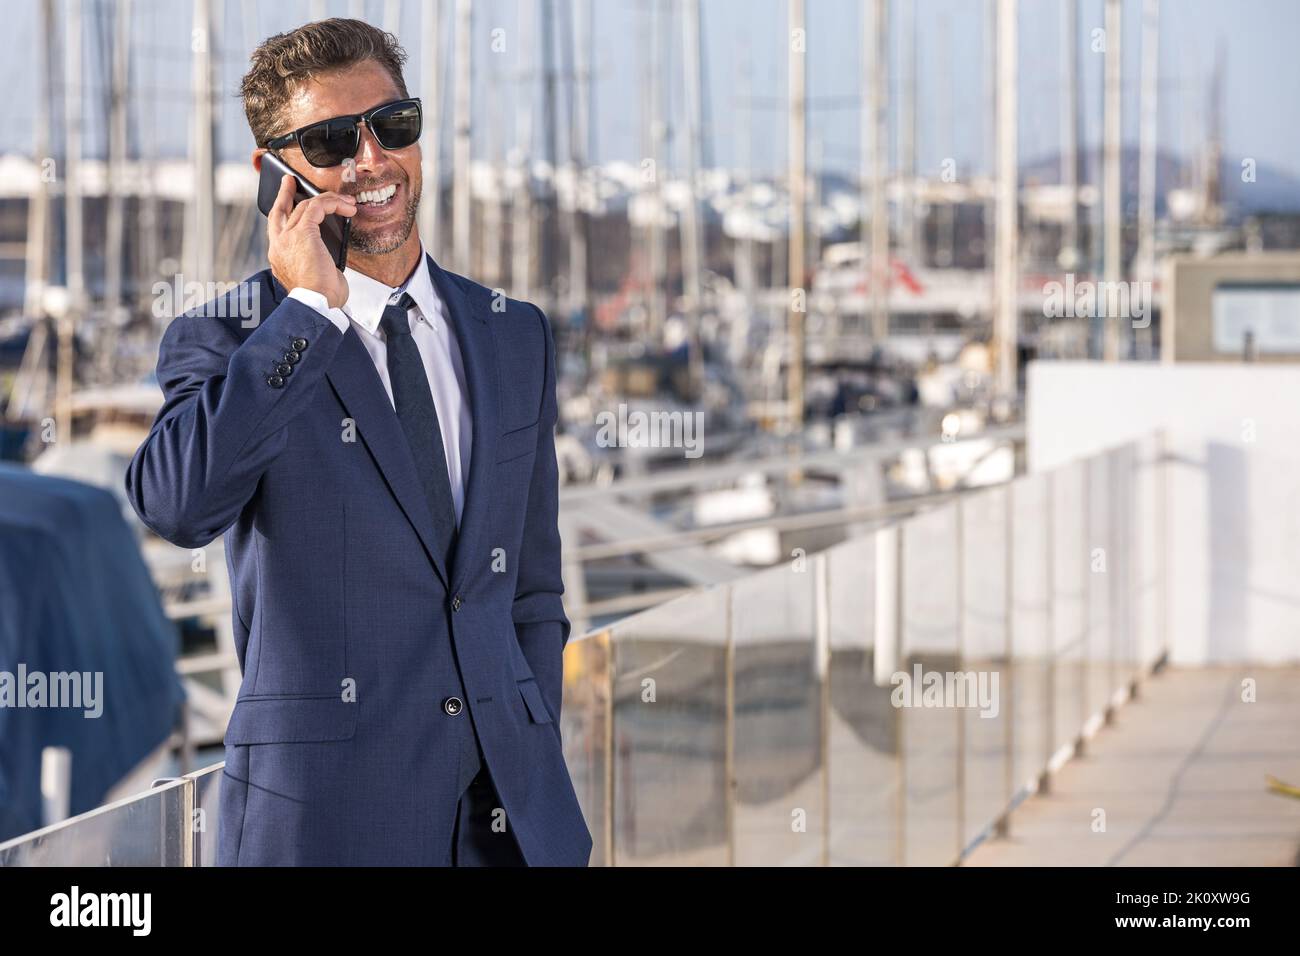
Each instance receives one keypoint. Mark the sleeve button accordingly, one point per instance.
(275, 381)
(299, 344)
(284, 368)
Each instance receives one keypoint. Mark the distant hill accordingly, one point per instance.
(1272, 191)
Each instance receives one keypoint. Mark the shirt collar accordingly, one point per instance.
(367, 297)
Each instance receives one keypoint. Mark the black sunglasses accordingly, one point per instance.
(329, 142)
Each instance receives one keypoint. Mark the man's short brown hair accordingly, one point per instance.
(285, 61)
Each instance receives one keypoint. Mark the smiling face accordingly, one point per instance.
(386, 183)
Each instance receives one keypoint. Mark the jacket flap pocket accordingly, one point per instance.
(273, 720)
(533, 698)
(517, 443)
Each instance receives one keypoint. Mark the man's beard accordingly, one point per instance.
(389, 238)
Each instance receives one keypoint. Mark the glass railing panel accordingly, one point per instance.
(863, 726)
(984, 646)
(930, 724)
(1097, 518)
(206, 818)
(149, 829)
(1071, 577)
(1125, 568)
(1150, 514)
(586, 727)
(1031, 652)
(780, 807)
(668, 793)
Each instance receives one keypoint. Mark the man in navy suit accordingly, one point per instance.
(377, 445)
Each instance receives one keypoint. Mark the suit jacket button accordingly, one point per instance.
(452, 705)
(292, 357)
(299, 344)
(284, 368)
(275, 381)
(456, 602)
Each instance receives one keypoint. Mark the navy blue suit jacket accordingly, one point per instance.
(351, 632)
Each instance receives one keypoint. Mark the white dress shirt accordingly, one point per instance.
(434, 338)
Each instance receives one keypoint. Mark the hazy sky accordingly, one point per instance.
(746, 47)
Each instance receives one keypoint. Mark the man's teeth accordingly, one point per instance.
(377, 196)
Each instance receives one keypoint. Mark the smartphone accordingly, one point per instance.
(335, 230)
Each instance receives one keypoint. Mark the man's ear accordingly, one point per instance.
(257, 158)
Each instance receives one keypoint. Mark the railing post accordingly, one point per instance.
(1003, 827)
(1085, 633)
(56, 784)
(191, 847)
(887, 655)
(1134, 573)
(1162, 542)
(901, 724)
(610, 684)
(189, 854)
(729, 744)
(1049, 570)
(822, 661)
(961, 668)
(1112, 583)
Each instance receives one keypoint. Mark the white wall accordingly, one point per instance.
(1234, 488)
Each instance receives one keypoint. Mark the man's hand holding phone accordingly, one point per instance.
(296, 250)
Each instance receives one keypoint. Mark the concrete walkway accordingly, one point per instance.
(1180, 777)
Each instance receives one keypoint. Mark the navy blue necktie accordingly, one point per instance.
(415, 410)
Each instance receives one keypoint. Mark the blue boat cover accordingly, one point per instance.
(76, 597)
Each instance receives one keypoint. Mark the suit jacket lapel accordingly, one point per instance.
(358, 386)
(468, 314)
(353, 377)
